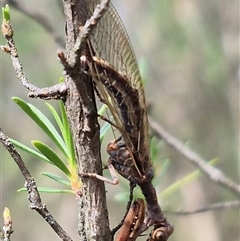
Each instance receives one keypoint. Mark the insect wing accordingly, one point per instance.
(109, 41)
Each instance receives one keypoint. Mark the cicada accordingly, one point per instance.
(109, 59)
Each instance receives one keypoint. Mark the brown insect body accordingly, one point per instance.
(121, 159)
(110, 60)
(132, 222)
(113, 61)
(128, 115)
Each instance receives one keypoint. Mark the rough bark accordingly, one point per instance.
(82, 113)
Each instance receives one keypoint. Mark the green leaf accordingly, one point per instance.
(183, 181)
(102, 109)
(29, 150)
(6, 13)
(42, 121)
(52, 156)
(56, 116)
(159, 174)
(67, 135)
(56, 178)
(179, 184)
(154, 148)
(104, 130)
(48, 190)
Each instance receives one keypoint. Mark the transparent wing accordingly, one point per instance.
(109, 41)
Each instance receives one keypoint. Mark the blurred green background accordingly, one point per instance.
(188, 52)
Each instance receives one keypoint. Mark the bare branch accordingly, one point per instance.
(33, 194)
(57, 91)
(212, 172)
(212, 207)
(12, 50)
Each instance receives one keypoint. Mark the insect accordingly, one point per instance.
(158, 234)
(132, 222)
(109, 59)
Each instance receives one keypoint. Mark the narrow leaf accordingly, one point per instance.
(56, 178)
(48, 190)
(159, 174)
(52, 156)
(67, 135)
(29, 150)
(102, 109)
(104, 130)
(183, 181)
(179, 184)
(42, 121)
(56, 116)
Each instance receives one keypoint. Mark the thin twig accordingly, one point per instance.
(57, 91)
(33, 194)
(212, 207)
(90, 24)
(12, 50)
(212, 172)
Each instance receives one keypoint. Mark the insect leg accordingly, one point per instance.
(132, 186)
(112, 171)
(109, 121)
(132, 222)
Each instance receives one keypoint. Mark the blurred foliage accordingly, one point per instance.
(190, 58)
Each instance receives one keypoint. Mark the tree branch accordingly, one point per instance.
(211, 172)
(33, 194)
(212, 207)
(57, 91)
(82, 113)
